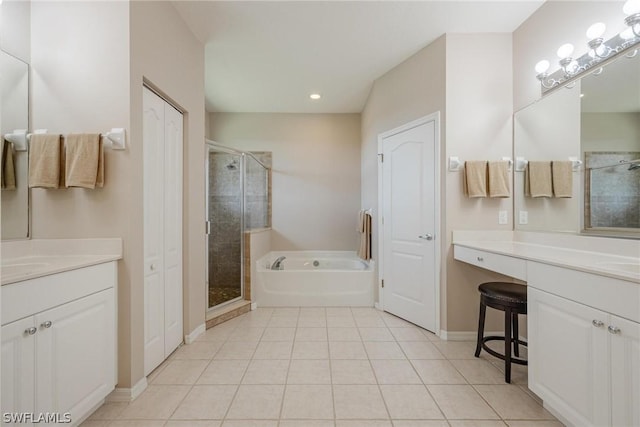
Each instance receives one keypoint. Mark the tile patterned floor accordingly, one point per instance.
(317, 367)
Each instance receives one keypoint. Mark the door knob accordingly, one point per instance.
(46, 324)
(427, 236)
(152, 267)
(614, 329)
(30, 331)
(597, 323)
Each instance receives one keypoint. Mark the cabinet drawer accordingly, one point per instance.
(614, 296)
(509, 266)
(22, 299)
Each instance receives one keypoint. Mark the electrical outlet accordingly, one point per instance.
(524, 217)
(502, 217)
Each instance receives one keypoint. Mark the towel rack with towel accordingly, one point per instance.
(521, 164)
(114, 139)
(455, 164)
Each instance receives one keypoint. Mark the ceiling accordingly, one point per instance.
(269, 56)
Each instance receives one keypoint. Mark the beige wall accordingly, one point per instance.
(556, 22)
(167, 55)
(610, 132)
(87, 77)
(78, 87)
(478, 127)
(476, 113)
(15, 29)
(316, 173)
(413, 89)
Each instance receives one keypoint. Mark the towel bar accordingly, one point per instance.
(115, 139)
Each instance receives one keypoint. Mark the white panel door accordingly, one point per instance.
(18, 367)
(409, 229)
(163, 145)
(74, 354)
(625, 372)
(569, 357)
(153, 165)
(172, 229)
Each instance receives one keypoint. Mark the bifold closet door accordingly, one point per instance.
(162, 148)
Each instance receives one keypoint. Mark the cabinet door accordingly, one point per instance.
(74, 354)
(625, 372)
(18, 367)
(568, 358)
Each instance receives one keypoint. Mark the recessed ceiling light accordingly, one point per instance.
(315, 96)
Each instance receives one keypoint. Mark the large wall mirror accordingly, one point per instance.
(597, 120)
(14, 114)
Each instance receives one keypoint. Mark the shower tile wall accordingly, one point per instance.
(614, 192)
(225, 211)
(257, 207)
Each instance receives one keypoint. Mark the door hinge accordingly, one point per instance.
(381, 155)
(383, 283)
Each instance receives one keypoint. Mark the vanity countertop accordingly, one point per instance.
(587, 260)
(28, 259)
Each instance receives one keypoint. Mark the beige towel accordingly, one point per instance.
(8, 176)
(562, 177)
(360, 228)
(475, 178)
(44, 161)
(537, 179)
(499, 179)
(364, 251)
(84, 161)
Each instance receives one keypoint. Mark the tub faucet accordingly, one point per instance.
(277, 264)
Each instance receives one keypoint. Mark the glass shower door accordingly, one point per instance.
(225, 225)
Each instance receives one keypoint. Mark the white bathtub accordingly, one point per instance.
(314, 278)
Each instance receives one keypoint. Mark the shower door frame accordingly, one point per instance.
(211, 146)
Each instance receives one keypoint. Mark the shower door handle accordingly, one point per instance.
(208, 227)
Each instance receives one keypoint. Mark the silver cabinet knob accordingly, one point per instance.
(614, 329)
(480, 258)
(46, 324)
(427, 236)
(597, 323)
(30, 331)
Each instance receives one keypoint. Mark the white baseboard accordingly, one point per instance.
(376, 305)
(254, 305)
(189, 338)
(127, 394)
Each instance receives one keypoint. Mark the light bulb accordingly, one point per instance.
(627, 34)
(315, 96)
(542, 66)
(565, 51)
(596, 31)
(631, 7)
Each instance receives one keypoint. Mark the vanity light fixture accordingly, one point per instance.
(315, 96)
(600, 50)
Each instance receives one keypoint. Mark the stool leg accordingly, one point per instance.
(507, 345)
(516, 346)
(483, 310)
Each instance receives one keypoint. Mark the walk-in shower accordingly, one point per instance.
(237, 201)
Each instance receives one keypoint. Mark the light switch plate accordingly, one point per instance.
(524, 217)
(503, 217)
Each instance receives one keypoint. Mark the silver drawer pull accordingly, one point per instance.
(30, 331)
(597, 323)
(46, 324)
(480, 259)
(614, 329)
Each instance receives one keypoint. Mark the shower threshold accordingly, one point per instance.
(215, 316)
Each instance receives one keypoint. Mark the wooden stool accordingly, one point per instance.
(512, 299)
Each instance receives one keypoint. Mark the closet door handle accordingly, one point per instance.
(152, 267)
(30, 331)
(597, 323)
(614, 329)
(46, 324)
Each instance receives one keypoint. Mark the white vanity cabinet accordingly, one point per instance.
(584, 361)
(60, 357)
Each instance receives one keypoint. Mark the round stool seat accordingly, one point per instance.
(507, 292)
(510, 298)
